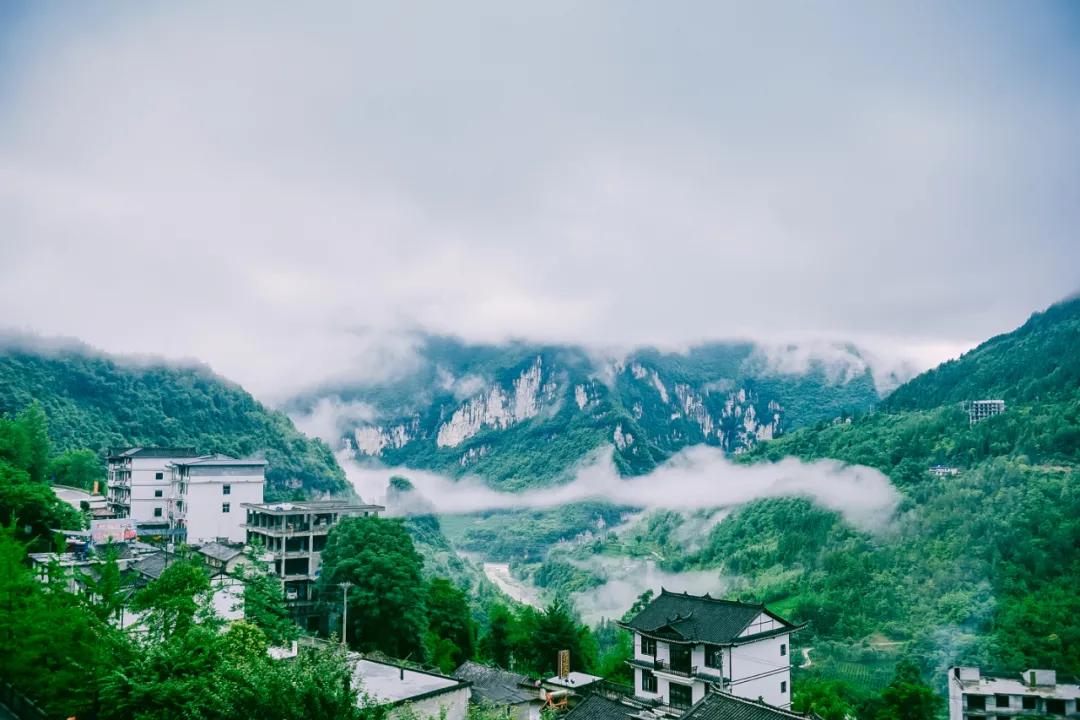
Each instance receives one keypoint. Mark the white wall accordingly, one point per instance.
(144, 483)
(454, 703)
(759, 668)
(205, 497)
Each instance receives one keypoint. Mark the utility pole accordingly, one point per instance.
(344, 609)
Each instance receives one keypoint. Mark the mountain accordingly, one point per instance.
(1036, 362)
(97, 401)
(521, 414)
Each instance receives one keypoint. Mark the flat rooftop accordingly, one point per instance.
(989, 685)
(312, 506)
(389, 683)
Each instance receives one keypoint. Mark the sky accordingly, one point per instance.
(287, 193)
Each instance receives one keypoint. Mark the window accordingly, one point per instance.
(224, 507)
(681, 696)
(1030, 702)
(783, 686)
(783, 649)
(714, 656)
(648, 646)
(1055, 706)
(1001, 701)
(976, 702)
(648, 681)
(159, 476)
(226, 489)
(157, 493)
(157, 512)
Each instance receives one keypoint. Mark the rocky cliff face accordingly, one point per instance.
(530, 413)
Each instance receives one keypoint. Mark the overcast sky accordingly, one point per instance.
(281, 191)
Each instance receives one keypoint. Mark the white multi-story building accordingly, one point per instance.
(139, 480)
(207, 493)
(974, 696)
(686, 645)
(982, 409)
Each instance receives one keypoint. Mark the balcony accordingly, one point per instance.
(665, 667)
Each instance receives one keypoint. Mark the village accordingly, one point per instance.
(694, 656)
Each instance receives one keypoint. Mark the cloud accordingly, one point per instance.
(286, 195)
(695, 478)
(330, 418)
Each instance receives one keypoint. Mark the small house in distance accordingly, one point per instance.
(686, 645)
(974, 696)
(523, 698)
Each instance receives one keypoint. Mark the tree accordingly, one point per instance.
(496, 644)
(907, 697)
(828, 699)
(264, 603)
(449, 620)
(541, 635)
(386, 609)
(77, 468)
(175, 599)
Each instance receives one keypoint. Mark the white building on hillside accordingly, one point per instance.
(206, 494)
(974, 696)
(686, 645)
(138, 483)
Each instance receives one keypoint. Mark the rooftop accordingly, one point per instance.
(699, 618)
(722, 706)
(497, 686)
(1014, 685)
(153, 565)
(152, 452)
(573, 680)
(598, 707)
(311, 506)
(219, 461)
(394, 684)
(219, 551)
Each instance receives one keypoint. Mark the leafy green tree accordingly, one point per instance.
(175, 600)
(542, 634)
(449, 620)
(386, 597)
(264, 603)
(907, 697)
(497, 644)
(77, 468)
(828, 699)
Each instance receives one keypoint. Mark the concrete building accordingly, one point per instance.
(206, 495)
(522, 698)
(407, 693)
(686, 645)
(138, 484)
(974, 696)
(292, 536)
(982, 409)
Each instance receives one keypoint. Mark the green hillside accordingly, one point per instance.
(980, 564)
(97, 402)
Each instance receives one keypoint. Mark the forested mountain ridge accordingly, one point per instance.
(521, 414)
(96, 401)
(1036, 362)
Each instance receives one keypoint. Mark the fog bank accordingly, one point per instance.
(696, 478)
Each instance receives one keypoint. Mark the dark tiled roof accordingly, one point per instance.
(153, 565)
(698, 618)
(722, 706)
(152, 452)
(497, 686)
(220, 552)
(598, 707)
